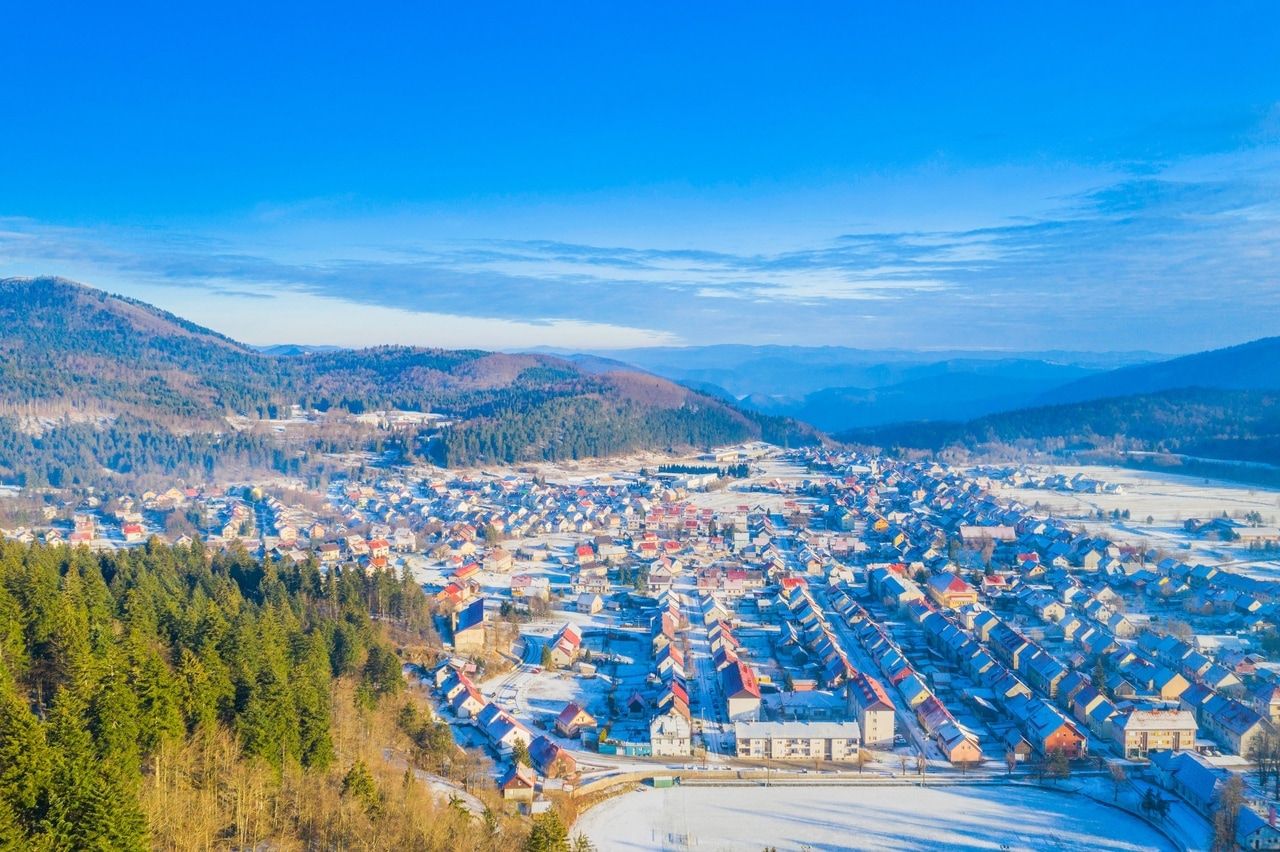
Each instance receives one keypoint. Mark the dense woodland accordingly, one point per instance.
(1240, 425)
(575, 428)
(165, 698)
(96, 389)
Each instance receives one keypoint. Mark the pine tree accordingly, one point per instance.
(549, 834)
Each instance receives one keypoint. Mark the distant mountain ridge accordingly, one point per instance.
(71, 355)
(1222, 404)
(292, 349)
(837, 387)
(1249, 366)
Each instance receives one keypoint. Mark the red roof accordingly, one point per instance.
(569, 713)
(740, 681)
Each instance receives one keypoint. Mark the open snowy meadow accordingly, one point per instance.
(710, 819)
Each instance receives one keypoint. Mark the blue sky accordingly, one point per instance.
(1085, 176)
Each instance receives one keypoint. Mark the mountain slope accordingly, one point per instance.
(68, 349)
(1253, 365)
(1233, 425)
(94, 385)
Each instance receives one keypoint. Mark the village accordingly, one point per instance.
(755, 612)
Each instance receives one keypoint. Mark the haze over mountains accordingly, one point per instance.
(838, 388)
(1220, 404)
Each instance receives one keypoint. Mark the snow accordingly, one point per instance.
(862, 817)
(1169, 499)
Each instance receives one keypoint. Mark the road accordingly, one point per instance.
(702, 678)
(906, 721)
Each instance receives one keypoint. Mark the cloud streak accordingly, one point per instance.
(1177, 258)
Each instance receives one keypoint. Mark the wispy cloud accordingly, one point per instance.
(1177, 258)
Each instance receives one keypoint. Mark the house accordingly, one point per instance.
(551, 759)
(951, 591)
(566, 645)
(573, 720)
(977, 536)
(1188, 776)
(958, 745)
(1265, 699)
(1141, 731)
(502, 729)
(804, 741)
(670, 735)
(590, 602)
(1168, 684)
(1233, 724)
(869, 704)
(1254, 832)
(404, 540)
(741, 691)
(531, 586)
(1047, 729)
(467, 702)
(1017, 745)
(498, 560)
(379, 550)
(517, 784)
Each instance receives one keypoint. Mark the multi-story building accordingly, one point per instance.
(1154, 730)
(828, 741)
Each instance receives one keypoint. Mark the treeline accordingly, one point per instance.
(139, 681)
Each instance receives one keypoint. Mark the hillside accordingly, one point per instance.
(170, 698)
(95, 387)
(1254, 365)
(1234, 425)
(71, 350)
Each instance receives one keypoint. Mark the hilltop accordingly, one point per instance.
(94, 385)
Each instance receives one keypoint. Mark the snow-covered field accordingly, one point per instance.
(709, 819)
(1167, 498)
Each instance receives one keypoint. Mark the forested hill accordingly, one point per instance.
(94, 386)
(1234, 425)
(161, 698)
